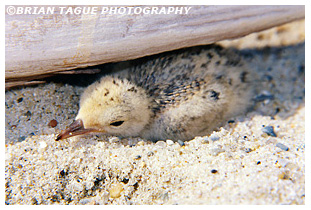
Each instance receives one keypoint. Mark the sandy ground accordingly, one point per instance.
(242, 163)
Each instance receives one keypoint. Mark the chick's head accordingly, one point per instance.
(114, 107)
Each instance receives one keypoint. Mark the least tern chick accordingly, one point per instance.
(173, 96)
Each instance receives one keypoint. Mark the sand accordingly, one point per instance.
(245, 162)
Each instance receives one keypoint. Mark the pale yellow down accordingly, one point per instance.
(174, 97)
(105, 102)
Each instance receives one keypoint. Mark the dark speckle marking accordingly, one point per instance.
(232, 62)
(217, 63)
(209, 55)
(114, 82)
(203, 65)
(111, 99)
(215, 95)
(107, 92)
(132, 89)
(243, 76)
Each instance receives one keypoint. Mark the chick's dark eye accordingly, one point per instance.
(117, 123)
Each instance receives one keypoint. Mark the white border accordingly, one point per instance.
(162, 2)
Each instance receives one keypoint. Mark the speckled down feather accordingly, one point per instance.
(177, 96)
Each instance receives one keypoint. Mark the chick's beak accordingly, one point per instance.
(74, 129)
